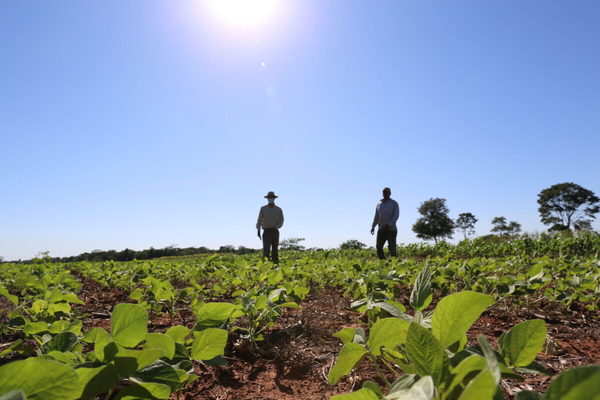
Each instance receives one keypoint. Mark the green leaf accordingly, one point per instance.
(214, 314)
(178, 333)
(12, 298)
(345, 335)
(72, 298)
(403, 382)
(426, 353)
(54, 308)
(62, 342)
(360, 336)
(93, 333)
(349, 356)
(466, 367)
(146, 390)
(161, 341)
(490, 358)
(128, 361)
(374, 387)
(480, 388)
(181, 351)
(420, 296)
(533, 368)
(158, 372)
(423, 389)
(65, 358)
(40, 379)
(209, 344)
(393, 308)
(275, 277)
(35, 328)
(38, 306)
(218, 361)
(101, 341)
(58, 326)
(455, 314)
(387, 332)
(129, 324)
(459, 345)
(95, 381)
(300, 291)
(362, 394)
(14, 395)
(289, 304)
(275, 294)
(523, 342)
(579, 383)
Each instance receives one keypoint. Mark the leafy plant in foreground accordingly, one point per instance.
(127, 363)
(261, 310)
(434, 363)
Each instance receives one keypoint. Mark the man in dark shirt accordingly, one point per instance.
(386, 215)
(270, 218)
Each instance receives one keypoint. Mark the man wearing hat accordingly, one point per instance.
(270, 218)
(386, 215)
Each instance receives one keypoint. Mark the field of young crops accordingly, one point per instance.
(477, 320)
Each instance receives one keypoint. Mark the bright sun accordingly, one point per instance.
(243, 13)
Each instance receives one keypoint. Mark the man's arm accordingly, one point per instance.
(258, 223)
(280, 224)
(259, 220)
(395, 214)
(375, 219)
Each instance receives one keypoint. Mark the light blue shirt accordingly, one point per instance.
(386, 213)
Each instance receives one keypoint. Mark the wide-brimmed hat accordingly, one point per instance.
(271, 195)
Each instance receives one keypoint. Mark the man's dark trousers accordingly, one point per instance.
(382, 237)
(271, 244)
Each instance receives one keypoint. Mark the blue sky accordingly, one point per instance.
(150, 123)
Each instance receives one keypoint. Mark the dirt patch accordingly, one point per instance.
(302, 351)
(297, 354)
(573, 339)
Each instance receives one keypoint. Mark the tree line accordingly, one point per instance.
(563, 207)
(147, 254)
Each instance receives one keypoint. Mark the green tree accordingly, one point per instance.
(292, 244)
(435, 223)
(226, 249)
(502, 227)
(466, 223)
(513, 228)
(499, 225)
(568, 205)
(352, 244)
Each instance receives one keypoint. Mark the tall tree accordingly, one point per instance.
(499, 225)
(503, 227)
(568, 205)
(513, 228)
(466, 223)
(435, 223)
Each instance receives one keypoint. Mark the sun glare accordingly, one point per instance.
(243, 13)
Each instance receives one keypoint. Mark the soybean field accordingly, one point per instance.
(511, 319)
